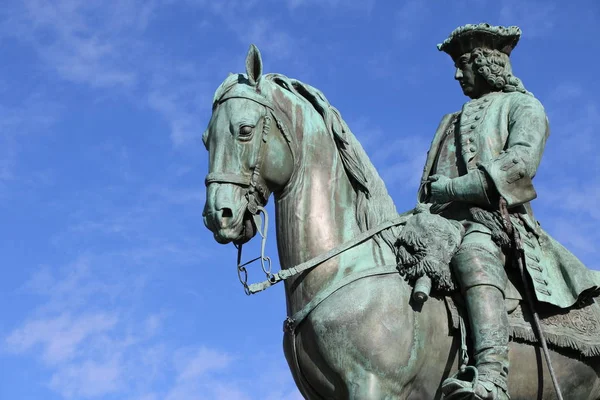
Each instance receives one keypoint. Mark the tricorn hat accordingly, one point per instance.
(468, 37)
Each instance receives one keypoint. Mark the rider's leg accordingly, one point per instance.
(479, 267)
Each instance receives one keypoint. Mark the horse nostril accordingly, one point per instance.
(226, 213)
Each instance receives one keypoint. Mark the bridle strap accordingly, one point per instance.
(220, 177)
(248, 96)
(253, 202)
(291, 323)
(321, 258)
(249, 181)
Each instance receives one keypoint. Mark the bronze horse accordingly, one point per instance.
(269, 134)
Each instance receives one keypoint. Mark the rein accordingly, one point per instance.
(291, 323)
(321, 258)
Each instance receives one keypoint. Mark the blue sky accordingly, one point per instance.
(111, 286)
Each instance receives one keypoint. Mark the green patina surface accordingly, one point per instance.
(270, 135)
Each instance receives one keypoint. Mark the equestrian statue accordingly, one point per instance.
(463, 297)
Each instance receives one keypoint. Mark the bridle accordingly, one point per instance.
(255, 189)
(256, 192)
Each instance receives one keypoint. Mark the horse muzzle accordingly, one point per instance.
(228, 225)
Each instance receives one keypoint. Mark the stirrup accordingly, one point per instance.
(463, 384)
(460, 385)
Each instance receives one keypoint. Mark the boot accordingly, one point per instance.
(489, 329)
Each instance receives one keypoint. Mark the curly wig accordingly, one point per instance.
(494, 66)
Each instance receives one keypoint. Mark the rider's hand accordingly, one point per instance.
(440, 189)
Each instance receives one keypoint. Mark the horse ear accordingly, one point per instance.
(254, 65)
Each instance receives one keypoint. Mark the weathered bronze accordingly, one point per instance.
(375, 299)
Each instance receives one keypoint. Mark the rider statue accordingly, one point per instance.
(481, 158)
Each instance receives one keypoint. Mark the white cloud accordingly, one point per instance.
(72, 288)
(278, 43)
(89, 351)
(88, 379)
(574, 235)
(60, 337)
(400, 162)
(191, 365)
(78, 333)
(262, 29)
(132, 233)
(83, 41)
(85, 61)
(204, 373)
(102, 45)
(82, 348)
(153, 324)
(571, 151)
(576, 198)
(578, 128)
(567, 181)
(177, 103)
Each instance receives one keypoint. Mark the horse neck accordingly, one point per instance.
(317, 214)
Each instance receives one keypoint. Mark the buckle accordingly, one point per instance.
(289, 325)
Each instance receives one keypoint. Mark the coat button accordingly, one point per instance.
(472, 149)
(470, 140)
(477, 118)
(473, 126)
(481, 107)
(515, 161)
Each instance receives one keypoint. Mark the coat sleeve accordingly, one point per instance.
(432, 153)
(513, 170)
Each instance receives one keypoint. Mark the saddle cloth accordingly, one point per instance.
(575, 329)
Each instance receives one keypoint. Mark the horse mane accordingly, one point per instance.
(374, 205)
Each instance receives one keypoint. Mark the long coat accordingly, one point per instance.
(504, 135)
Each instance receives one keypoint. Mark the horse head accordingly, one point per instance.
(250, 155)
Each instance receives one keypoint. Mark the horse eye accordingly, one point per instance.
(246, 130)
